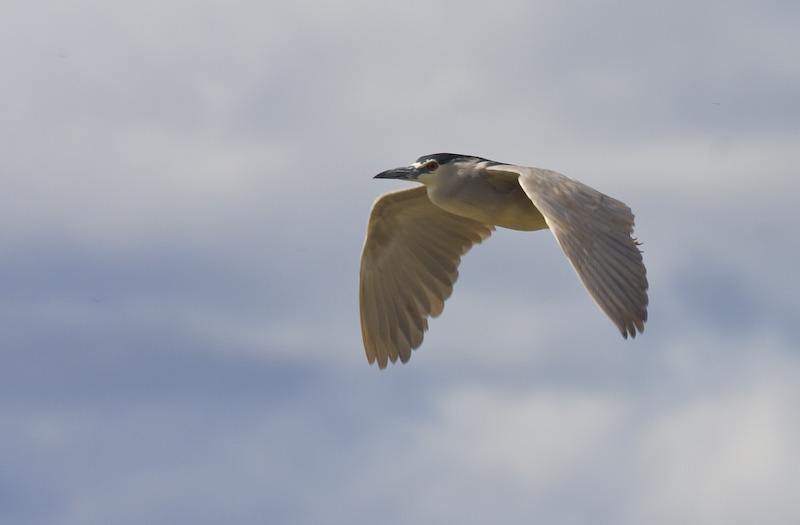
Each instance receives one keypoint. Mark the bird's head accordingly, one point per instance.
(429, 167)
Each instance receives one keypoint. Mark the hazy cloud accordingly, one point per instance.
(185, 189)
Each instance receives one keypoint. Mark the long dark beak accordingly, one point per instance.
(404, 173)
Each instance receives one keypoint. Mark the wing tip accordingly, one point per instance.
(632, 327)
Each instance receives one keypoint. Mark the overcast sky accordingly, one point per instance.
(184, 190)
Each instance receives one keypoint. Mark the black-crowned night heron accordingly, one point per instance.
(416, 237)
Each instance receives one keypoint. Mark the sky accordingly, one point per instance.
(185, 191)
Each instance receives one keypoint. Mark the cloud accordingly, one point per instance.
(184, 198)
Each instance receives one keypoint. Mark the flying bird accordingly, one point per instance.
(416, 237)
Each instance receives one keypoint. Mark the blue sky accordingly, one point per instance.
(185, 190)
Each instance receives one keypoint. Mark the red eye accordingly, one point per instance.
(432, 165)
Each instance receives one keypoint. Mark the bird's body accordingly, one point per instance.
(496, 198)
(416, 238)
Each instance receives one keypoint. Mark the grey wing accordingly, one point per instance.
(408, 267)
(594, 230)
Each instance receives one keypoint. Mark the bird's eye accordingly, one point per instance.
(432, 165)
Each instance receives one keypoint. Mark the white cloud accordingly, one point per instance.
(185, 191)
(725, 458)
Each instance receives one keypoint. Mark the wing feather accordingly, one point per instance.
(594, 230)
(408, 267)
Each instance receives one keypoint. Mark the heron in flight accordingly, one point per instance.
(416, 237)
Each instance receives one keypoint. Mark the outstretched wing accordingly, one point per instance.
(408, 267)
(594, 230)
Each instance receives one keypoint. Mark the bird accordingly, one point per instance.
(417, 236)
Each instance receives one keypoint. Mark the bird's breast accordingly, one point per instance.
(507, 206)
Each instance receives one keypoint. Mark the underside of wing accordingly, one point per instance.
(594, 230)
(408, 267)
